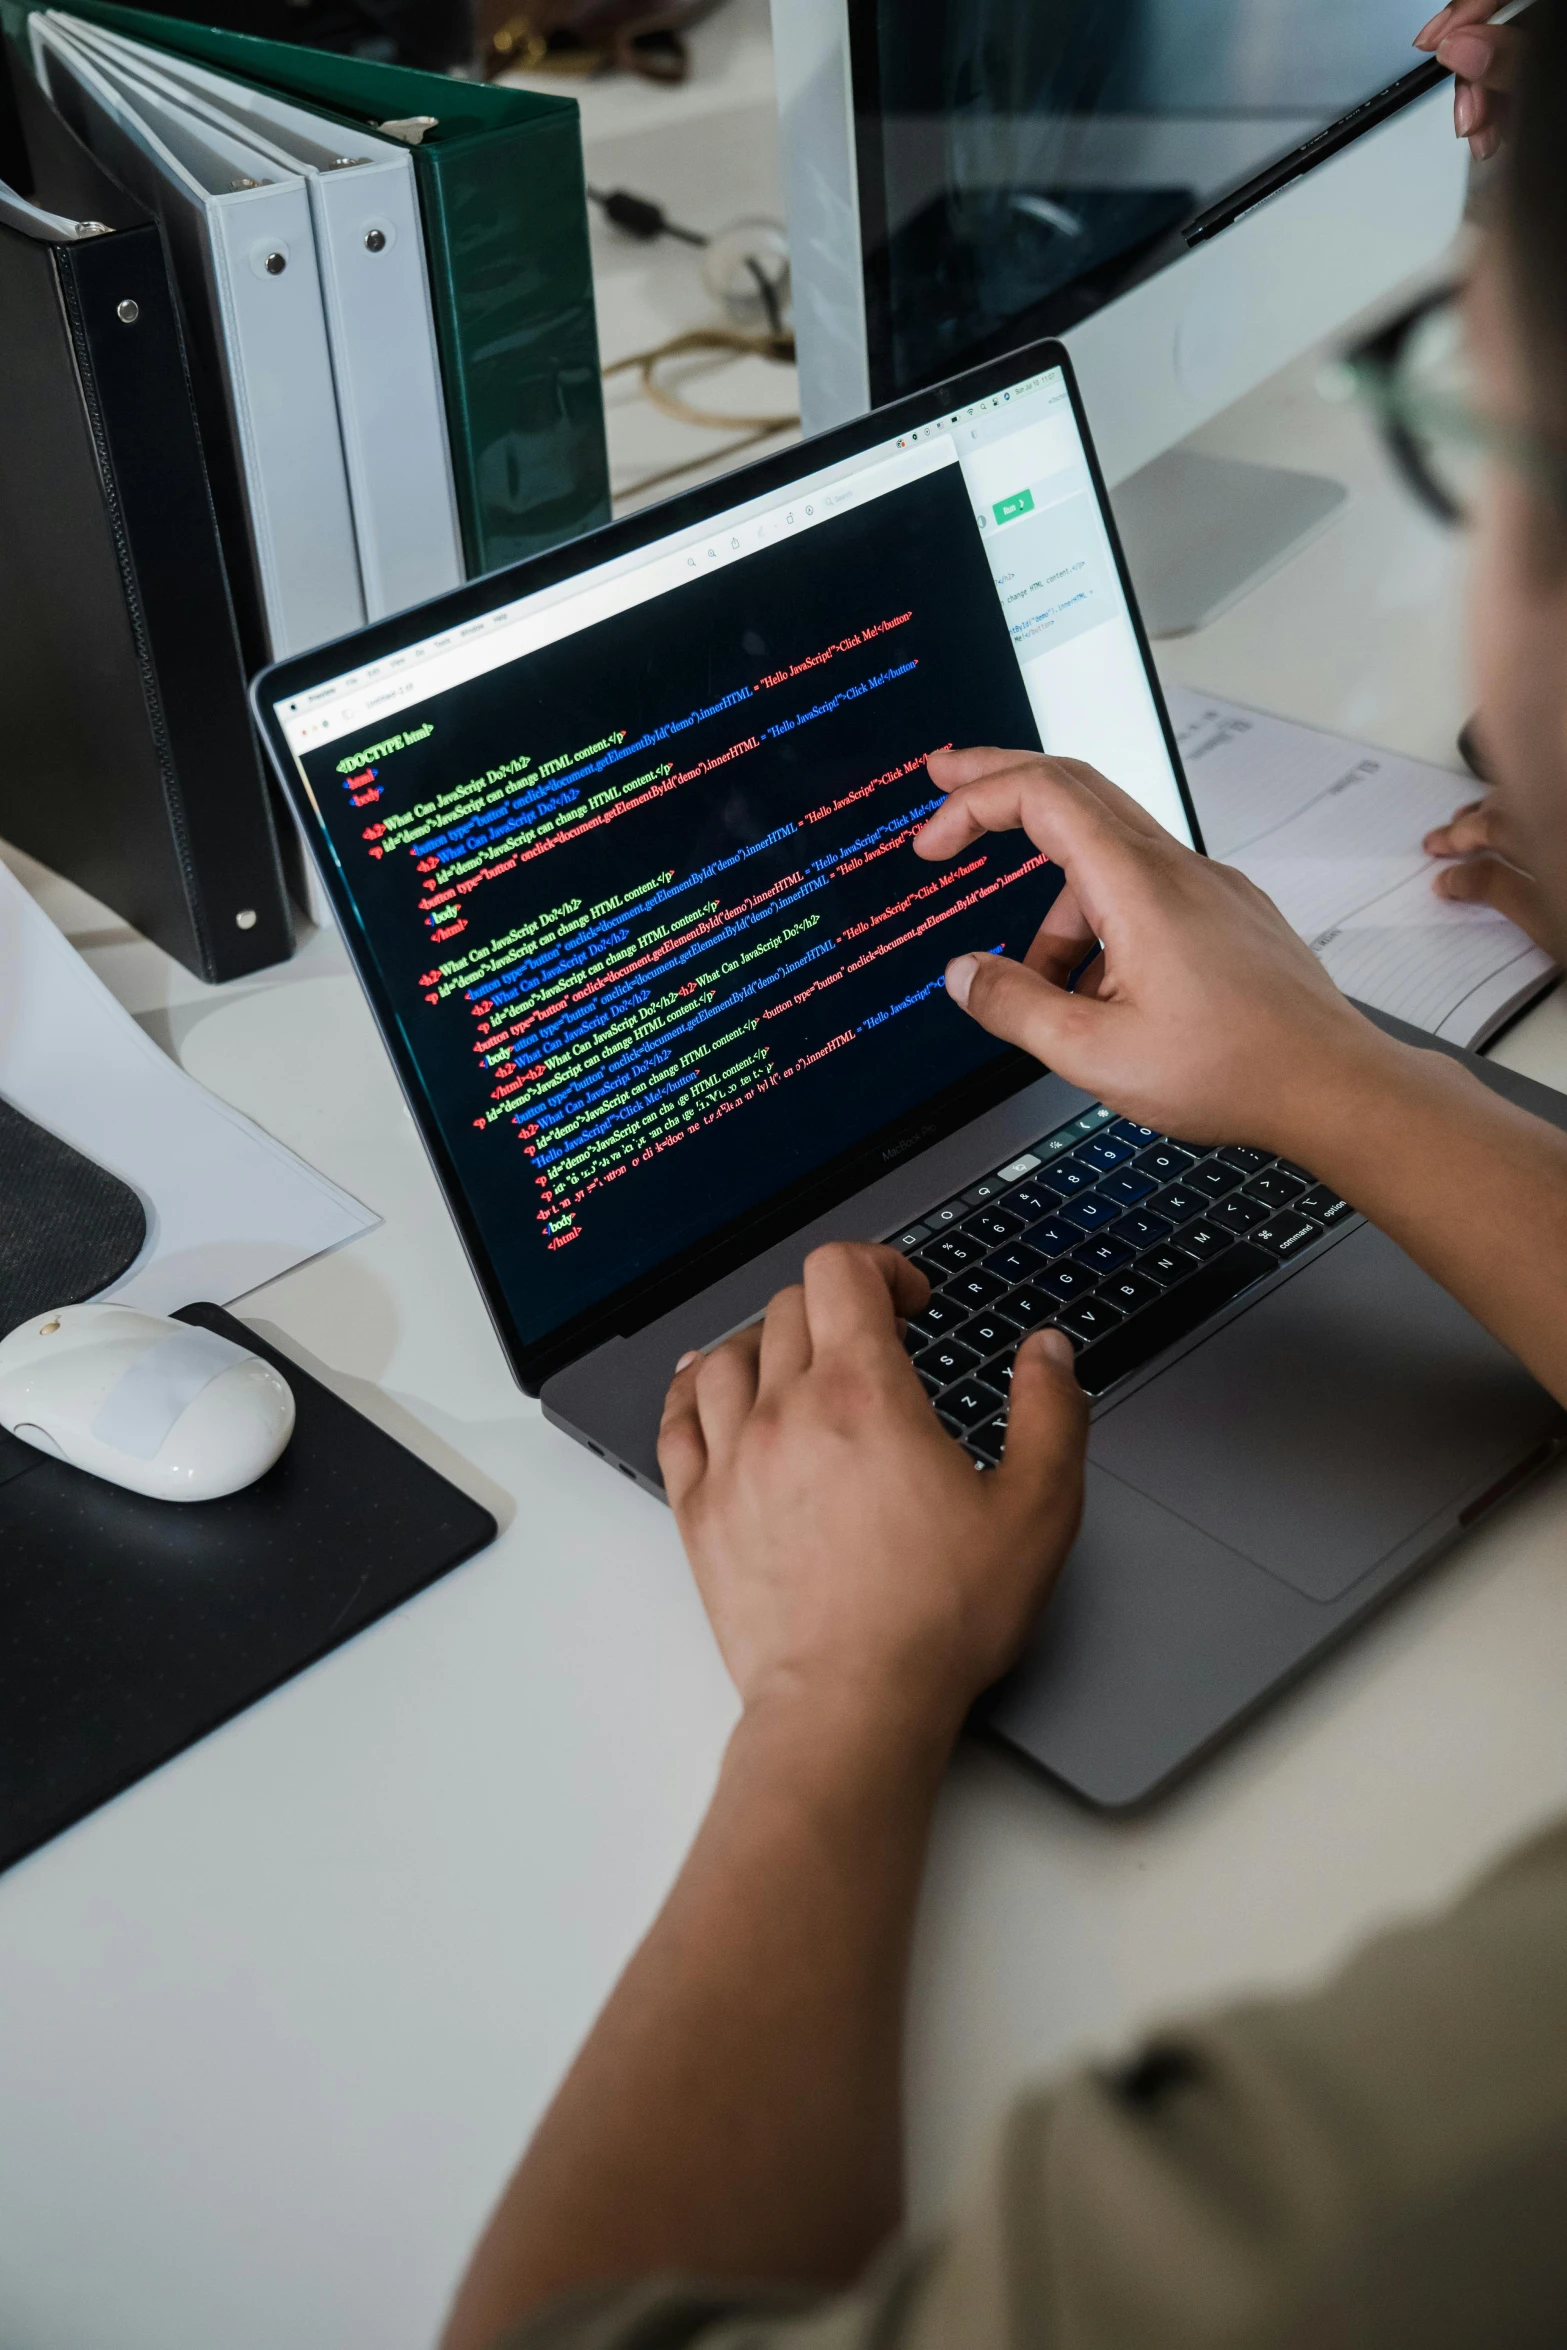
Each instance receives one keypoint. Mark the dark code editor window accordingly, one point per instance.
(645, 902)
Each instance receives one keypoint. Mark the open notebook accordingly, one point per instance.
(1331, 830)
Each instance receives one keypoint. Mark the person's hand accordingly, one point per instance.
(1204, 1015)
(1482, 57)
(843, 1543)
(1483, 875)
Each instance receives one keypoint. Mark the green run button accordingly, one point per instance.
(1010, 508)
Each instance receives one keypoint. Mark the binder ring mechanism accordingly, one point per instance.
(410, 128)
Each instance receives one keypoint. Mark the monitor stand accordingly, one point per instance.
(1200, 531)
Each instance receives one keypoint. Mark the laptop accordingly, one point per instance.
(618, 839)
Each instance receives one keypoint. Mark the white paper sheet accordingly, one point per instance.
(1331, 830)
(227, 1207)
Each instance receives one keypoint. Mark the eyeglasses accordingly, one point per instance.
(1417, 377)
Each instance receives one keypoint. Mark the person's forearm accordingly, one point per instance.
(1474, 1189)
(735, 2112)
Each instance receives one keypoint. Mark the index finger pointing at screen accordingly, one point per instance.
(1108, 864)
(953, 771)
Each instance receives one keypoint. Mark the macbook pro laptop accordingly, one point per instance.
(619, 843)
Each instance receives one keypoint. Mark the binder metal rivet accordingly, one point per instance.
(375, 240)
(275, 264)
(127, 312)
(245, 919)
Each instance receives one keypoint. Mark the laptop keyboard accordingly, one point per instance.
(1125, 1239)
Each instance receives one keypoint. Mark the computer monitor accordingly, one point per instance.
(965, 175)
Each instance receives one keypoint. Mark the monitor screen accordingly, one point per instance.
(626, 860)
(1020, 165)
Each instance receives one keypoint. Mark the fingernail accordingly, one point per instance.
(1465, 53)
(1466, 109)
(692, 1355)
(1425, 35)
(960, 978)
(1057, 1346)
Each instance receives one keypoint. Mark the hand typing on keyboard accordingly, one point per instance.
(843, 1546)
(1124, 1239)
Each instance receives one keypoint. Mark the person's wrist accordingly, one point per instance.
(1332, 1082)
(848, 1725)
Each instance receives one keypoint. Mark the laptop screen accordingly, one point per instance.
(625, 860)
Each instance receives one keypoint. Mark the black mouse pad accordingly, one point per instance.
(129, 1628)
(67, 1227)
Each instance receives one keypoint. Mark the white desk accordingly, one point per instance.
(274, 2024)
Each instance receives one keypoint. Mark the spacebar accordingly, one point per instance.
(1177, 1314)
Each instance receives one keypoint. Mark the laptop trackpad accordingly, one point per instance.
(1328, 1425)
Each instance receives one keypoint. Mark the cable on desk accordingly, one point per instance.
(726, 252)
(707, 338)
(751, 429)
(652, 481)
(642, 218)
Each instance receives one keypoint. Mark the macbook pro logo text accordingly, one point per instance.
(910, 1142)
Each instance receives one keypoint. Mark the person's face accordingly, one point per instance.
(1519, 615)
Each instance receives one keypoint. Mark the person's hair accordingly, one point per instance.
(1534, 210)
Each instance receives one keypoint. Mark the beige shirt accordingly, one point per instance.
(1382, 2164)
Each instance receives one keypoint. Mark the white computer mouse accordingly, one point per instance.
(157, 1406)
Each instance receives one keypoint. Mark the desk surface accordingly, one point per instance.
(274, 2024)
